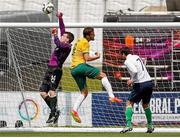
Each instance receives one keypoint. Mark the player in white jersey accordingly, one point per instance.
(142, 85)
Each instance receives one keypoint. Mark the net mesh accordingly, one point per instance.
(29, 56)
(159, 48)
(24, 62)
(155, 46)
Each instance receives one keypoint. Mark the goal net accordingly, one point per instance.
(159, 48)
(23, 63)
(25, 51)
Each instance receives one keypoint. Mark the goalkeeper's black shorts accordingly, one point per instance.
(51, 79)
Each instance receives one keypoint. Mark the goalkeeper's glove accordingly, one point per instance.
(59, 14)
(54, 31)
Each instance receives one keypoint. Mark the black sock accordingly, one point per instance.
(53, 103)
(47, 100)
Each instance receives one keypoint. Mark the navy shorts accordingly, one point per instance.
(51, 79)
(141, 91)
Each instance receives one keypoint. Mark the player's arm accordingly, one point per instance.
(84, 46)
(87, 57)
(58, 43)
(132, 68)
(55, 32)
(133, 71)
(61, 22)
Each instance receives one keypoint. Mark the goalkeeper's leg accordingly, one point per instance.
(46, 98)
(54, 115)
(49, 85)
(54, 82)
(48, 101)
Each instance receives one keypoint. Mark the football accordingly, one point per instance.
(48, 8)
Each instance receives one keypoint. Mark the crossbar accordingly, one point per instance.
(95, 25)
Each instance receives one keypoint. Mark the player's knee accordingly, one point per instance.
(145, 106)
(85, 92)
(129, 103)
(101, 75)
(52, 93)
(43, 95)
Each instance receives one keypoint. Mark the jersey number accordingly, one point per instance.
(53, 78)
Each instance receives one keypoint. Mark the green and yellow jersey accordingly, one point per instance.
(81, 47)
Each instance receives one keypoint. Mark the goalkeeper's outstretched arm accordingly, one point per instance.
(61, 23)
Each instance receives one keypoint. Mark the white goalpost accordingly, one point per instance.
(95, 25)
(24, 56)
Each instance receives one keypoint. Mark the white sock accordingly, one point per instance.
(107, 86)
(78, 102)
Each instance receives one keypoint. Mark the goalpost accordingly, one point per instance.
(23, 63)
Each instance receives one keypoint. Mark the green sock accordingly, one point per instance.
(128, 114)
(148, 114)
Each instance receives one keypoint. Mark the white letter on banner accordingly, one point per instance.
(152, 105)
(164, 106)
(135, 108)
(169, 105)
(158, 105)
(177, 105)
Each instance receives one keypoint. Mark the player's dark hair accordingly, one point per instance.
(87, 31)
(125, 50)
(70, 36)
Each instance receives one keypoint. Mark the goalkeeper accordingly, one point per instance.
(80, 70)
(142, 85)
(54, 72)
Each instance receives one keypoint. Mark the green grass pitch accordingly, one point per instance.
(86, 134)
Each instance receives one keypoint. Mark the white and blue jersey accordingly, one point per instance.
(143, 86)
(137, 69)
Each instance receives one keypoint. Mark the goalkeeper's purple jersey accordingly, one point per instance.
(61, 51)
(59, 54)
